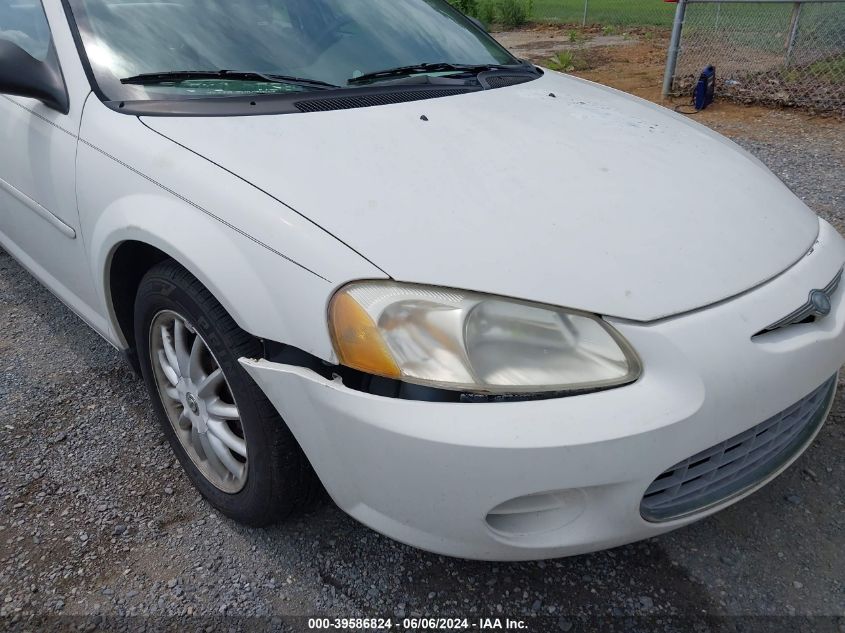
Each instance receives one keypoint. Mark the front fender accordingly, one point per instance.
(270, 268)
(226, 263)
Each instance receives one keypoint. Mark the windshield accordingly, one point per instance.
(328, 41)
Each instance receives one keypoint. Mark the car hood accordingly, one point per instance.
(559, 190)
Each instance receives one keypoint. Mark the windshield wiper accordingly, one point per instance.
(176, 76)
(416, 69)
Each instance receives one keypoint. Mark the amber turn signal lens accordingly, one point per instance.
(357, 339)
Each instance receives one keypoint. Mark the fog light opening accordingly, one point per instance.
(537, 513)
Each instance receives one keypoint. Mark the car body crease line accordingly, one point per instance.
(202, 209)
(282, 202)
(167, 189)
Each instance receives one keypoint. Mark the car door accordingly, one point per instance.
(39, 222)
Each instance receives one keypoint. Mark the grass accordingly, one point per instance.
(824, 22)
(506, 13)
(831, 70)
(576, 37)
(567, 61)
(619, 12)
(614, 12)
(563, 61)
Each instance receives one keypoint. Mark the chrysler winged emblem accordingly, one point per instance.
(820, 301)
(818, 305)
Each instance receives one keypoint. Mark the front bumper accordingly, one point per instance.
(566, 476)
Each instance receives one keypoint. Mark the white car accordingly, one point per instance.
(499, 312)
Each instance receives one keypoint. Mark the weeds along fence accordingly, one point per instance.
(781, 52)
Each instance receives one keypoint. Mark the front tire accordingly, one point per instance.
(233, 445)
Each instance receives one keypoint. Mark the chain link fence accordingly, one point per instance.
(781, 52)
(776, 52)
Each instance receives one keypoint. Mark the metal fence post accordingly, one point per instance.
(586, 5)
(793, 32)
(674, 47)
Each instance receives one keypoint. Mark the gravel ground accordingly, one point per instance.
(97, 519)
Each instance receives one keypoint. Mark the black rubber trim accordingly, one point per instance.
(504, 79)
(289, 103)
(392, 388)
(131, 356)
(80, 50)
(23, 75)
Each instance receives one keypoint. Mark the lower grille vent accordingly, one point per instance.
(502, 81)
(732, 467)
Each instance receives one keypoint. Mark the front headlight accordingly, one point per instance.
(468, 341)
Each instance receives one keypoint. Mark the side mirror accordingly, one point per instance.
(477, 23)
(24, 76)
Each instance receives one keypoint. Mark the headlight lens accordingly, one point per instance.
(468, 341)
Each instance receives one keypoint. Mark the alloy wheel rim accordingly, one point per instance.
(198, 401)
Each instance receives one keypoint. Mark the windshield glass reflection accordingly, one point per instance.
(326, 40)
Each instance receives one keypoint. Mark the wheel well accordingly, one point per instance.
(129, 263)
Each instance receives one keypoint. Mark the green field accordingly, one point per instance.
(817, 22)
(619, 12)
